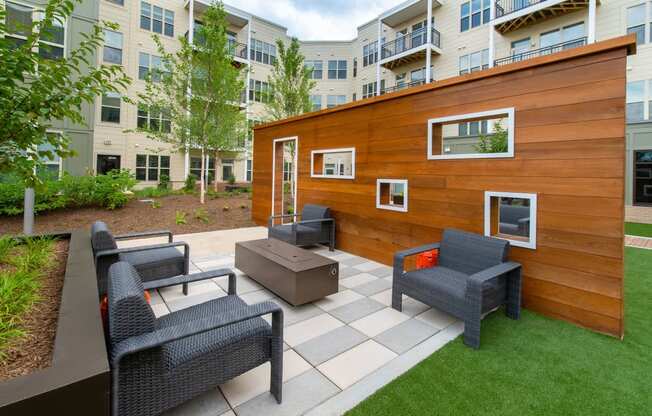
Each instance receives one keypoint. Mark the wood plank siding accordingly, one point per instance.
(569, 150)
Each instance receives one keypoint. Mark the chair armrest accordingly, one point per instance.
(194, 277)
(146, 234)
(477, 279)
(317, 220)
(270, 222)
(168, 334)
(399, 256)
(143, 248)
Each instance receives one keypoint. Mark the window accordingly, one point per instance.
(566, 35)
(636, 22)
(209, 169)
(475, 61)
(227, 169)
(156, 19)
(154, 120)
(262, 52)
(486, 134)
(520, 47)
(51, 166)
(317, 68)
(474, 13)
(369, 90)
(111, 107)
(258, 91)
(168, 28)
(336, 69)
(635, 101)
(335, 100)
(287, 171)
(316, 102)
(152, 167)
(150, 65)
(19, 20)
(355, 67)
(392, 194)
(333, 163)
(249, 172)
(112, 47)
(511, 217)
(370, 54)
(118, 2)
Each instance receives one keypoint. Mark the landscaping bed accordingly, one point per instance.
(221, 212)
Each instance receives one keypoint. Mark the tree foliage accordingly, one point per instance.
(200, 91)
(493, 143)
(37, 91)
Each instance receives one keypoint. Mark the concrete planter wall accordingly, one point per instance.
(78, 381)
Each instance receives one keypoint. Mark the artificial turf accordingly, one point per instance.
(536, 366)
(635, 228)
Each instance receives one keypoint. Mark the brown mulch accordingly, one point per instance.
(34, 351)
(139, 216)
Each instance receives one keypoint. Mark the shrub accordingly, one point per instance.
(202, 215)
(231, 180)
(190, 184)
(152, 192)
(113, 190)
(180, 218)
(156, 204)
(164, 182)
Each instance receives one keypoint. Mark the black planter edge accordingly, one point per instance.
(78, 381)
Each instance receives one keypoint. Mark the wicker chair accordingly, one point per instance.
(473, 277)
(317, 226)
(159, 363)
(153, 262)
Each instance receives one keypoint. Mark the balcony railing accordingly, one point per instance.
(402, 86)
(541, 51)
(505, 7)
(236, 49)
(409, 41)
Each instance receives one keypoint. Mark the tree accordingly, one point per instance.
(493, 143)
(199, 91)
(37, 88)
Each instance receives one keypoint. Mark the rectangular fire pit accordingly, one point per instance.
(297, 276)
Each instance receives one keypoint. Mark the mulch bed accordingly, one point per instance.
(139, 216)
(34, 351)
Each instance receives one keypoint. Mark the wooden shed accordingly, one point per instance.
(533, 152)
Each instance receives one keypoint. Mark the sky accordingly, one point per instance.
(317, 19)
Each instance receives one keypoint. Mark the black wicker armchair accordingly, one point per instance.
(316, 226)
(159, 363)
(153, 262)
(473, 277)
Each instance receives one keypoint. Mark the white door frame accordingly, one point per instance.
(296, 178)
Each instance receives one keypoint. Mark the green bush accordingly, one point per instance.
(180, 218)
(164, 183)
(190, 184)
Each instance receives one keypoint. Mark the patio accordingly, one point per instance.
(338, 350)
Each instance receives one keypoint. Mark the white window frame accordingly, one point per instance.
(323, 151)
(60, 161)
(390, 207)
(509, 112)
(249, 170)
(37, 15)
(532, 244)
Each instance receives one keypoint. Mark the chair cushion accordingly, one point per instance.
(452, 283)
(284, 232)
(218, 340)
(156, 264)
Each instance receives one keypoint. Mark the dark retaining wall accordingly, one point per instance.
(78, 382)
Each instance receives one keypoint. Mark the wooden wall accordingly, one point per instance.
(569, 150)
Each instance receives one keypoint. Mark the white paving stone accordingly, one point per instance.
(368, 266)
(160, 309)
(357, 280)
(173, 293)
(310, 328)
(436, 318)
(338, 299)
(379, 322)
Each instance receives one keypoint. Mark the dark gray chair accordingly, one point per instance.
(153, 262)
(514, 220)
(159, 363)
(316, 226)
(473, 277)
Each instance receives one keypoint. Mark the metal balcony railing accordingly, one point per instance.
(541, 51)
(236, 49)
(402, 86)
(409, 41)
(505, 7)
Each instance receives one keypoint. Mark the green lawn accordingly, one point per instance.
(536, 366)
(634, 228)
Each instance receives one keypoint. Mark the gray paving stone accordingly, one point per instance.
(412, 307)
(348, 272)
(373, 287)
(406, 335)
(294, 314)
(243, 283)
(208, 404)
(300, 394)
(327, 346)
(191, 300)
(354, 260)
(257, 296)
(383, 271)
(356, 310)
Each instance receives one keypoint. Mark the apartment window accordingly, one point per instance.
(317, 69)
(118, 2)
(337, 69)
(112, 47)
(156, 19)
(19, 20)
(51, 166)
(636, 101)
(565, 35)
(335, 100)
(475, 61)
(474, 13)
(258, 91)
(154, 120)
(636, 22)
(150, 65)
(316, 102)
(512, 217)
(262, 52)
(355, 67)
(152, 167)
(400, 80)
(333, 163)
(168, 27)
(249, 171)
(392, 194)
(369, 90)
(370, 54)
(209, 168)
(111, 107)
(487, 134)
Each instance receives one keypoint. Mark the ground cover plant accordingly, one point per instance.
(634, 228)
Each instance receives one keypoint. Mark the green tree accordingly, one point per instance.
(37, 88)
(493, 143)
(199, 91)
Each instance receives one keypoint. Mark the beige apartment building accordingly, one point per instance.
(416, 42)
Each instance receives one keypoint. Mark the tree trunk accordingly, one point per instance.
(202, 175)
(215, 175)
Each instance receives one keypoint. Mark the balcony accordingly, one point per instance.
(236, 49)
(548, 50)
(402, 86)
(514, 14)
(409, 48)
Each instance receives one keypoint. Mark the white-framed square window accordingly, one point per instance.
(486, 134)
(392, 194)
(511, 216)
(333, 163)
